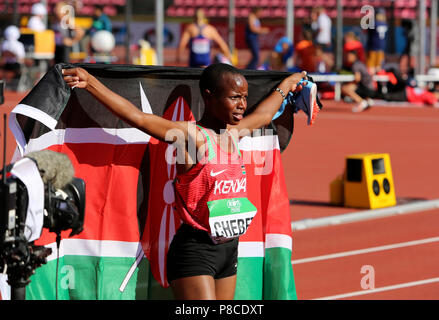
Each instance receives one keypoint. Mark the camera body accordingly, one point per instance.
(63, 209)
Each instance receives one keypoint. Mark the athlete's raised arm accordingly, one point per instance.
(151, 124)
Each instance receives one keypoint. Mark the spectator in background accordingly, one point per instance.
(282, 51)
(323, 62)
(252, 31)
(351, 43)
(314, 24)
(361, 90)
(305, 55)
(323, 30)
(409, 53)
(199, 36)
(37, 20)
(12, 53)
(408, 91)
(376, 43)
(67, 34)
(100, 21)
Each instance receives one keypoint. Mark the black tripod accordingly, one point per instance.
(21, 259)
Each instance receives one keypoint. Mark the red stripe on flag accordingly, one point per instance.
(162, 221)
(111, 175)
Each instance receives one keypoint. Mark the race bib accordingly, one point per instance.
(229, 218)
(201, 46)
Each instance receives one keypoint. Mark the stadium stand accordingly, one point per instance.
(24, 6)
(405, 9)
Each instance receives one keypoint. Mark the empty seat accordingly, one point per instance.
(189, 3)
(199, 3)
(210, 3)
(24, 9)
(223, 12)
(180, 12)
(222, 3)
(400, 4)
(301, 13)
(263, 3)
(118, 2)
(211, 12)
(170, 12)
(354, 3)
(406, 14)
(332, 13)
(274, 3)
(190, 12)
(278, 13)
(307, 3)
(242, 12)
(412, 4)
(87, 10)
(110, 10)
(254, 3)
(241, 3)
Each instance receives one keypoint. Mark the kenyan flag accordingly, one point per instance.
(129, 218)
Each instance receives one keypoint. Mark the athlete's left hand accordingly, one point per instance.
(294, 79)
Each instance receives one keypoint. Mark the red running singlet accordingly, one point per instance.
(212, 195)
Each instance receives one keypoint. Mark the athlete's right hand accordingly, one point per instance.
(76, 77)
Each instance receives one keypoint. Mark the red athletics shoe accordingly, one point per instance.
(307, 101)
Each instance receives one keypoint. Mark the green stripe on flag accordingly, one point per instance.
(278, 275)
(95, 278)
(250, 278)
(84, 278)
(269, 278)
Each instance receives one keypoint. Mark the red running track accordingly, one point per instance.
(393, 250)
(403, 250)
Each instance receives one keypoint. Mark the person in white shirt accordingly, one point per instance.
(324, 25)
(12, 53)
(36, 22)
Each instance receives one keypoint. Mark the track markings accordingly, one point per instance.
(387, 288)
(367, 250)
(378, 117)
(412, 207)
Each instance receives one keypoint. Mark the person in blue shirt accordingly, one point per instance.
(252, 31)
(100, 21)
(277, 60)
(376, 43)
(199, 36)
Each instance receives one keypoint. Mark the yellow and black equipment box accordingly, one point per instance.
(368, 181)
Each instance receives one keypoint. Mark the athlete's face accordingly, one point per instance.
(228, 101)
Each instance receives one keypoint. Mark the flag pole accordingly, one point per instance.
(433, 33)
(128, 15)
(159, 30)
(339, 36)
(15, 14)
(422, 8)
(290, 26)
(232, 26)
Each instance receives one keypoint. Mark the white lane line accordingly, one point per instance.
(388, 288)
(416, 206)
(385, 118)
(367, 250)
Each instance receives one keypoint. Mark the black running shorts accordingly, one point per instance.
(193, 253)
